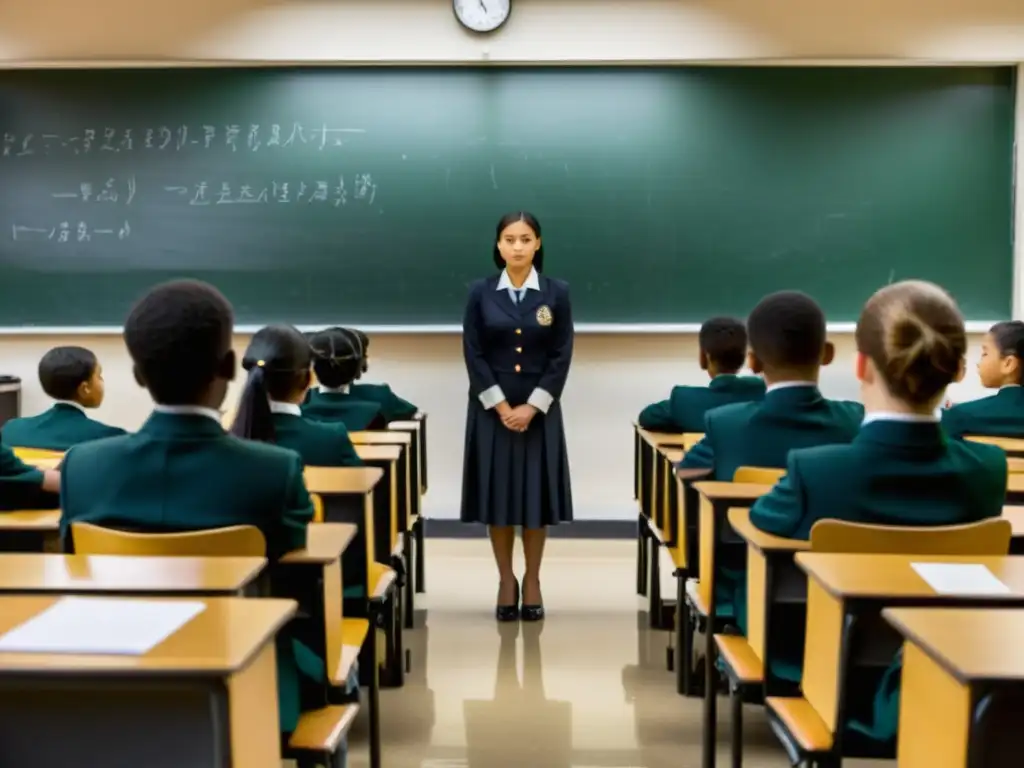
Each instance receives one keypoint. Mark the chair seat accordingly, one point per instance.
(322, 730)
(353, 636)
(695, 599)
(803, 723)
(678, 558)
(737, 655)
(382, 578)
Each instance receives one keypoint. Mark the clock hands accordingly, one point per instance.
(482, 6)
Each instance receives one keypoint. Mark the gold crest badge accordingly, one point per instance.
(544, 316)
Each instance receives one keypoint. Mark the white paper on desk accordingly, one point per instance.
(98, 625)
(960, 579)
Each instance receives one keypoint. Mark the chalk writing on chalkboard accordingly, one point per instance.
(109, 191)
(233, 137)
(361, 188)
(65, 233)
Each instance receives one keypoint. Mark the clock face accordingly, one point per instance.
(482, 15)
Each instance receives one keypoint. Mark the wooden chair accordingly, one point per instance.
(800, 727)
(761, 475)
(319, 736)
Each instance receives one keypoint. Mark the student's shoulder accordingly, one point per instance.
(263, 457)
(968, 408)
(101, 450)
(560, 287)
(732, 413)
(821, 461)
(850, 410)
(985, 457)
(371, 389)
(477, 287)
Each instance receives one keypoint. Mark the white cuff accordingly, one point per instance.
(491, 396)
(541, 400)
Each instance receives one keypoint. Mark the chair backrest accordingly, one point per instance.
(986, 537)
(759, 475)
(233, 541)
(31, 454)
(318, 507)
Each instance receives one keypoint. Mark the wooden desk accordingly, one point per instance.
(30, 531)
(776, 595)
(962, 687)
(1013, 446)
(205, 697)
(661, 530)
(123, 575)
(415, 545)
(846, 595)
(1015, 489)
(1016, 517)
(385, 496)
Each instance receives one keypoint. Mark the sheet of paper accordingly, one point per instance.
(960, 579)
(98, 625)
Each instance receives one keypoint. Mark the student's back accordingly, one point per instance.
(788, 344)
(1001, 368)
(319, 444)
(338, 407)
(392, 407)
(338, 361)
(901, 469)
(74, 378)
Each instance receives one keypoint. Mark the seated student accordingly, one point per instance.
(74, 378)
(900, 469)
(393, 407)
(181, 471)
(279, 363)
(723, 348)
(25, 487)
(1000, 367)
(788, 346)
(337, 360)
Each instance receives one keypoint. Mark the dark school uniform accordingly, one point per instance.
(320, 444)
(1001, 415)
(57, 429)
(21, 486)
(392, 406)
(685, 408)
(340, 406)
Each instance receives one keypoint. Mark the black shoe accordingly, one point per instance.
(533, 613)
(508, 612)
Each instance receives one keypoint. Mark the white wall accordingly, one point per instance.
(613, 376)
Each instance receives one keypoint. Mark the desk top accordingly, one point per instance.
(971, 644)
(30, 520)
(716, 490)
(378, 452)
(407, 426)
(341, 480)
(1008, 444)
(106, 573)
(396, 437)
(218, 641)
(1015, 483)
(325, 543)
(739, 519)
(672, 453)
(654, 439)
(882, 576)
(1016, 517)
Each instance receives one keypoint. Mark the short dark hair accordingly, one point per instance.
(278, 360)
(64, 369)
(337, 358)
(787, 330)
(914, 334)
(724, 340)
(1009, 338)
(364, 348)
(179, 335)
(529, 220)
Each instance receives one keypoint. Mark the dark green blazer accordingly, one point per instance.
(184, 472)
(345, 408)
(685, 408)
(57, 429)
(320, 444)
(1001, 415)
(21, 485)
(761, 434)
(893, 473)
(392, 406)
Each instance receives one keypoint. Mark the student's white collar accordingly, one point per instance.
(290, 409)
(532, 281)
(342, 390)
(906, 418)
(789, 385)
(188, 410)
(72, 403)
(1009, 386)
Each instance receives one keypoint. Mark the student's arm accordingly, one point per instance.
(952, 424)
(702, 455)
(298, 512)
(781, 511)
(552, 381)
(398, 409)
(482, 382)
(657, 417)
(14, 470)
(346, 456)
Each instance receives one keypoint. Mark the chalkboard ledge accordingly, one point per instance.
(973, 326)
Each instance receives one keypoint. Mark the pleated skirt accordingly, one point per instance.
(515, 478)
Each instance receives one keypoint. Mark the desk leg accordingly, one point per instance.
(373, 695)
(421, 557)
(654, 604)
(641, 556)
(709, 747)
(411, 562)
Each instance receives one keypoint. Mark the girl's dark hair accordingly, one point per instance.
(364, 348)
(1009, 338)
(337, 357)
(914, 333)
(531, 221)
(278, 361)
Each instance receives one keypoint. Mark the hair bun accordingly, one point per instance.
(922, 360)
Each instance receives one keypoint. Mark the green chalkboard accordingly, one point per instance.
(369, 195)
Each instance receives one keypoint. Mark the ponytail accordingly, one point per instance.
(254, 420)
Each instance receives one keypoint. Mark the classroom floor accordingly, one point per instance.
(587, 688)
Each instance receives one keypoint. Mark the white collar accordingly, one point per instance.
(72, 403)
(906, 418)
(789, 385)
(291, 409)
(342, 390)
(188, 410)
(532, 281)
(1009, 386)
